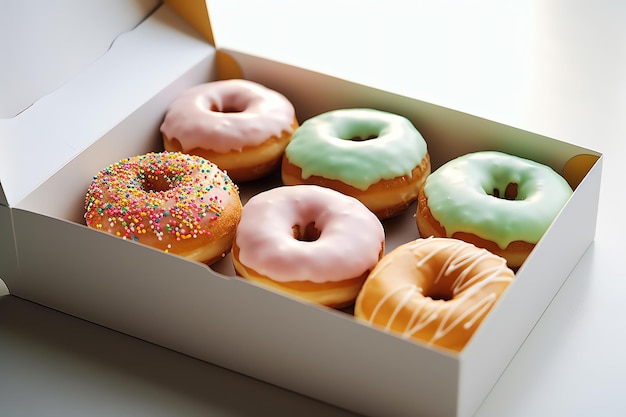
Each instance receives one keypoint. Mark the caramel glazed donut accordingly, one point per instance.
(308, 241)
(241, 126)
(181, 204)
(436, 291)
(496, 201)
(377, 157)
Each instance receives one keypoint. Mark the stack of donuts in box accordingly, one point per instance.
(320, 235)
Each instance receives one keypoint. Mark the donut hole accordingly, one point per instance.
(439, 294)
(510, 192)
(361, 139)
(359, 133)
(442, 289)
(229, 104)
(309, 233)
(226, 109)
(158, 182)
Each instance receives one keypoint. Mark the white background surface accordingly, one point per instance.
(557, 68)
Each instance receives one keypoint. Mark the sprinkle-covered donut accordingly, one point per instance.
(181, 204)
(311, 242)
(241, 126)
(494, 200)
(435, 290)
(377, 157)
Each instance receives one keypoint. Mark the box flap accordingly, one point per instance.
(57, 127)
(62, 37)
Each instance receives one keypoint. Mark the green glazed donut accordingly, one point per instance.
(359, 152)
(494, 196)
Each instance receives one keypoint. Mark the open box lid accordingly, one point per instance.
(52, 44)
(56, 54)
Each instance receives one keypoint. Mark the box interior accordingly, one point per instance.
(205, 311)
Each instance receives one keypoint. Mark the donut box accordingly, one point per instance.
(49, 256)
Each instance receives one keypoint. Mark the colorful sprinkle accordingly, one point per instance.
(169, 195)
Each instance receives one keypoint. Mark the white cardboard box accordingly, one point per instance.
(113, 109)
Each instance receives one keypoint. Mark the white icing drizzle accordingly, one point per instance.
(464, 286)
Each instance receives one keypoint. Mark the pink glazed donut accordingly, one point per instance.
(309, 241)
(239, 125)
